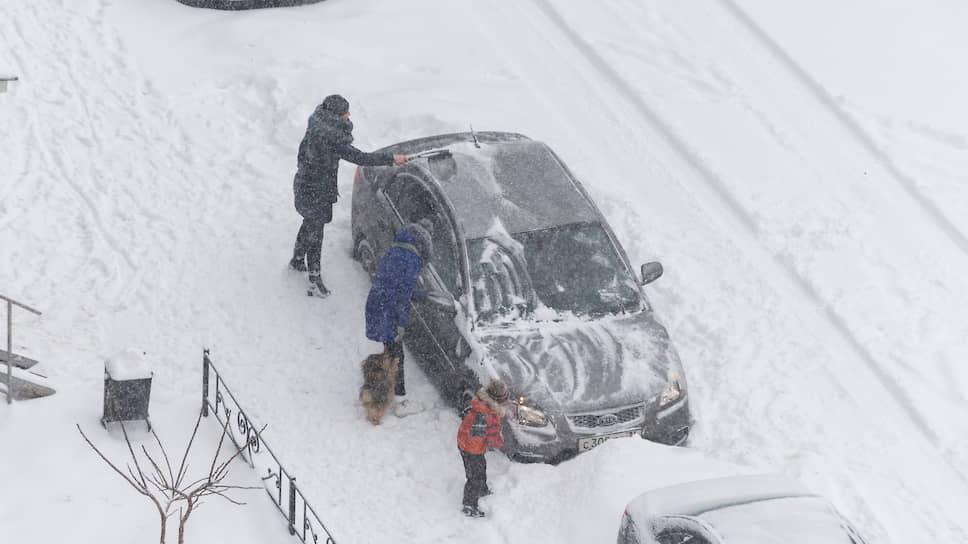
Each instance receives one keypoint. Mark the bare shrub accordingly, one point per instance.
(169, 490)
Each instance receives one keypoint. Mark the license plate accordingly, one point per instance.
(585, 444)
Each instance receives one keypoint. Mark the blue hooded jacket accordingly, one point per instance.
(395, 284)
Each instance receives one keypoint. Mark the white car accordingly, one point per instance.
(758, 509)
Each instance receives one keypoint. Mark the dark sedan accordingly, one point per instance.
(528, 284)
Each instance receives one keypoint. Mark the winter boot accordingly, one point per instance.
(316, 287)
(473, 511)
(298, 264)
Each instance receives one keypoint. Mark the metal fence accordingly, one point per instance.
(9, 355)
(280, 484)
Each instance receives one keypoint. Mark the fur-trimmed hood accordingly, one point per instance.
(492, 404)
(416, 236)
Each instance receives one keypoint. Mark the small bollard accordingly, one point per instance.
(127, 387)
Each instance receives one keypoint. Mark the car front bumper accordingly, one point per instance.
(560, 440)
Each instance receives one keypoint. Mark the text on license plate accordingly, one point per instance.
(585, 444)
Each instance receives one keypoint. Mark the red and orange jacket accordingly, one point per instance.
(481, 428)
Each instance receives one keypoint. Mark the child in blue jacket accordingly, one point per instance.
(394, 286)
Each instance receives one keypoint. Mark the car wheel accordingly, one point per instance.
(364, 254)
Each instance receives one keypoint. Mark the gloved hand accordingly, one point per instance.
(399, 335)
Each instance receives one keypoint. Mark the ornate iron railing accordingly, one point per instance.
(280, 483)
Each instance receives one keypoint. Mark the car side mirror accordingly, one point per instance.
(651, 272)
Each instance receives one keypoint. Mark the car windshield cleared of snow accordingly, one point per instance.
(538, 274)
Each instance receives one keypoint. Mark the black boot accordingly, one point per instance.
(473, 511)
(316, 286)
(298, 263)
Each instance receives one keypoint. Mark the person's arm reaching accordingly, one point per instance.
(348, 152)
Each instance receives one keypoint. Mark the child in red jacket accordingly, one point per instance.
(480, 430)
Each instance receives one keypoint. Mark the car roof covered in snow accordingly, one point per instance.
(506, 177)
(694, 498)
(764, 508)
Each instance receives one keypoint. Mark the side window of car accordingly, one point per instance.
(414, 202)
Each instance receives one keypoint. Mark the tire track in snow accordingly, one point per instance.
(739, 213)
(830, 322)
(865, 140)
(97, 145)
(51, 157)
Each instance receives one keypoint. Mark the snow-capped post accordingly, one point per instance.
(6, 79)
(9, 345)
(292, 505)
(205, 382)
(127, 387)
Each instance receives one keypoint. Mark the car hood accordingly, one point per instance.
(583, 364)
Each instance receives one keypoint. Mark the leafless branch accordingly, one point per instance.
(166, 488)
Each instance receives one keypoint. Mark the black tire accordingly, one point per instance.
(364, 254)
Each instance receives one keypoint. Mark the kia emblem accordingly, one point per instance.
(607, 420)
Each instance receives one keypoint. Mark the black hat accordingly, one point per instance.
(498, 391)
(336, 104)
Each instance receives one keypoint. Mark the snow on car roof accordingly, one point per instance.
(761, 509)
(520, 183)
(694, 498)
(790, 520)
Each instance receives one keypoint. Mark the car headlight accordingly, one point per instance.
(672, 392)
(527, 415)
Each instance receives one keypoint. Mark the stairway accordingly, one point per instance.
(17, 381)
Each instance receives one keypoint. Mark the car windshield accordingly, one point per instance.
(538, 274)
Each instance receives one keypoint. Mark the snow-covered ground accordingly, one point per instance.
(799, 170)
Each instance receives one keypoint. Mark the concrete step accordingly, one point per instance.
(16, 360)
(26, 385)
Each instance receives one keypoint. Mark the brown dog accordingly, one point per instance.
(379, 379)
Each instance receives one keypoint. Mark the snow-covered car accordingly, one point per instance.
(528, 284)
(749, 509)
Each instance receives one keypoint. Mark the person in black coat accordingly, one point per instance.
(329, 138)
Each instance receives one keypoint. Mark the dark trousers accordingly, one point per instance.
(395, 349)
(475, 468)
(309, 244)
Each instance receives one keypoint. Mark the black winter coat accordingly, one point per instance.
(328, 139)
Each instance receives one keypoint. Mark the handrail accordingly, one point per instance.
(10, 303)
(21, 304)
(299, 522)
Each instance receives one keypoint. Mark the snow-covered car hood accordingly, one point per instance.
(583, 364)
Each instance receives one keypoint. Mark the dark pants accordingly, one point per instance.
(475, 468)
(309, 244)
(395, 349)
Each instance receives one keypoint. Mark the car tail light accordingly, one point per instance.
(357, 176)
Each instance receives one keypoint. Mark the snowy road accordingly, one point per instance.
(790, 260)
(815, 287)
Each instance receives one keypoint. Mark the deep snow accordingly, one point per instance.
(798, 170)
